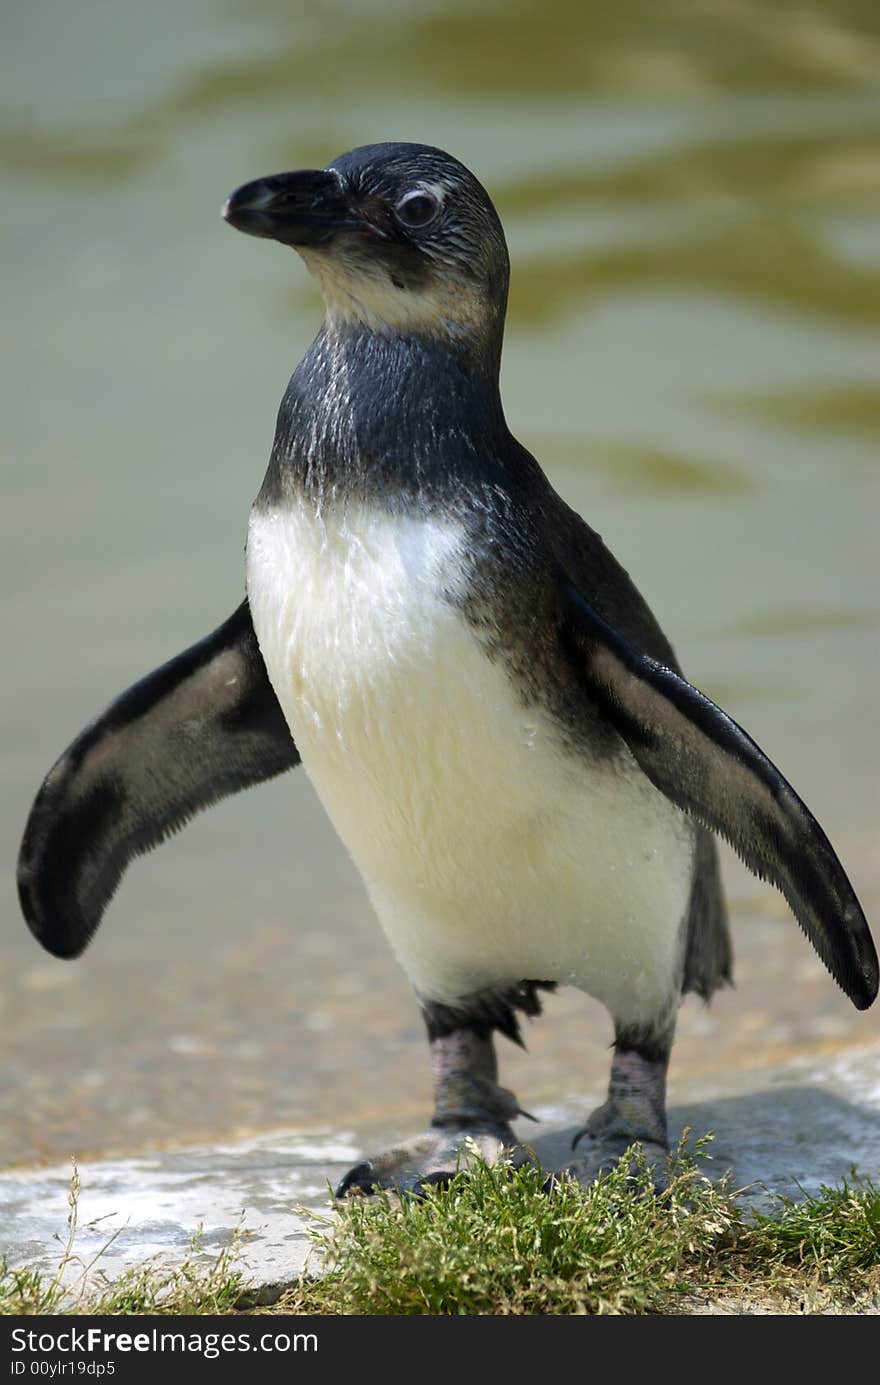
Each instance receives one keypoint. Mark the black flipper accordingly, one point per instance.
(202, 726)
(705, 763)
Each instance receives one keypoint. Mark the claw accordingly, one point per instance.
(579, 1135)
(441, 1178)
(355, 1180)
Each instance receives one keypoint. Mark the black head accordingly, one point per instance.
(402, 238)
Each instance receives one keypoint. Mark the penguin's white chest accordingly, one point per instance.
(490, 855)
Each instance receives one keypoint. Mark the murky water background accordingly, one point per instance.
(693, 208)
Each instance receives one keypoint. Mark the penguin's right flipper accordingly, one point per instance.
(202, 726)
(708, 766)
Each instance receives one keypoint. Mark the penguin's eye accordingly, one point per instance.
(417, 209)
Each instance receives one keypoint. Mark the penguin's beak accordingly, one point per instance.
(300, 209)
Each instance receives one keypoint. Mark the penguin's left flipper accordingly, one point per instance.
(202, 726)
(705, 763)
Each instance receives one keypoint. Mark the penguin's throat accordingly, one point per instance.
(368, 414)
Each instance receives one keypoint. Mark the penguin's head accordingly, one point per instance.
(402, 238)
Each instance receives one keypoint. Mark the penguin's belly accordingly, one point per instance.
(490, 854)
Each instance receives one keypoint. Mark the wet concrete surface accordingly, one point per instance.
(138, 1048)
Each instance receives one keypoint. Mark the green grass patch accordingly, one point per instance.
(834, 1237)
(494, 1242)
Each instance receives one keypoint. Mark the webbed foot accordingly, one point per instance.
(432, 1158)
(603, 1154)
(634, 1113)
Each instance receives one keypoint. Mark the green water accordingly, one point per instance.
(692, 198)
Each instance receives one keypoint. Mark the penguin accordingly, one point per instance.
(490, 713)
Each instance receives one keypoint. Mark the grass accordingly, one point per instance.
(189, 1288)
(494, 1242)
(78, 1286)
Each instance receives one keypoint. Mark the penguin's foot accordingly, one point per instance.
(472, 1116)
(634, 1113)
(612, 1130)
(432, 1158)
(603, 1154)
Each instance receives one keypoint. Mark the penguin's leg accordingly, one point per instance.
(635, 1109)
(636, 1106)
(472, 1112)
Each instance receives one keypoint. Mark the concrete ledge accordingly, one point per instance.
(784, 1130)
